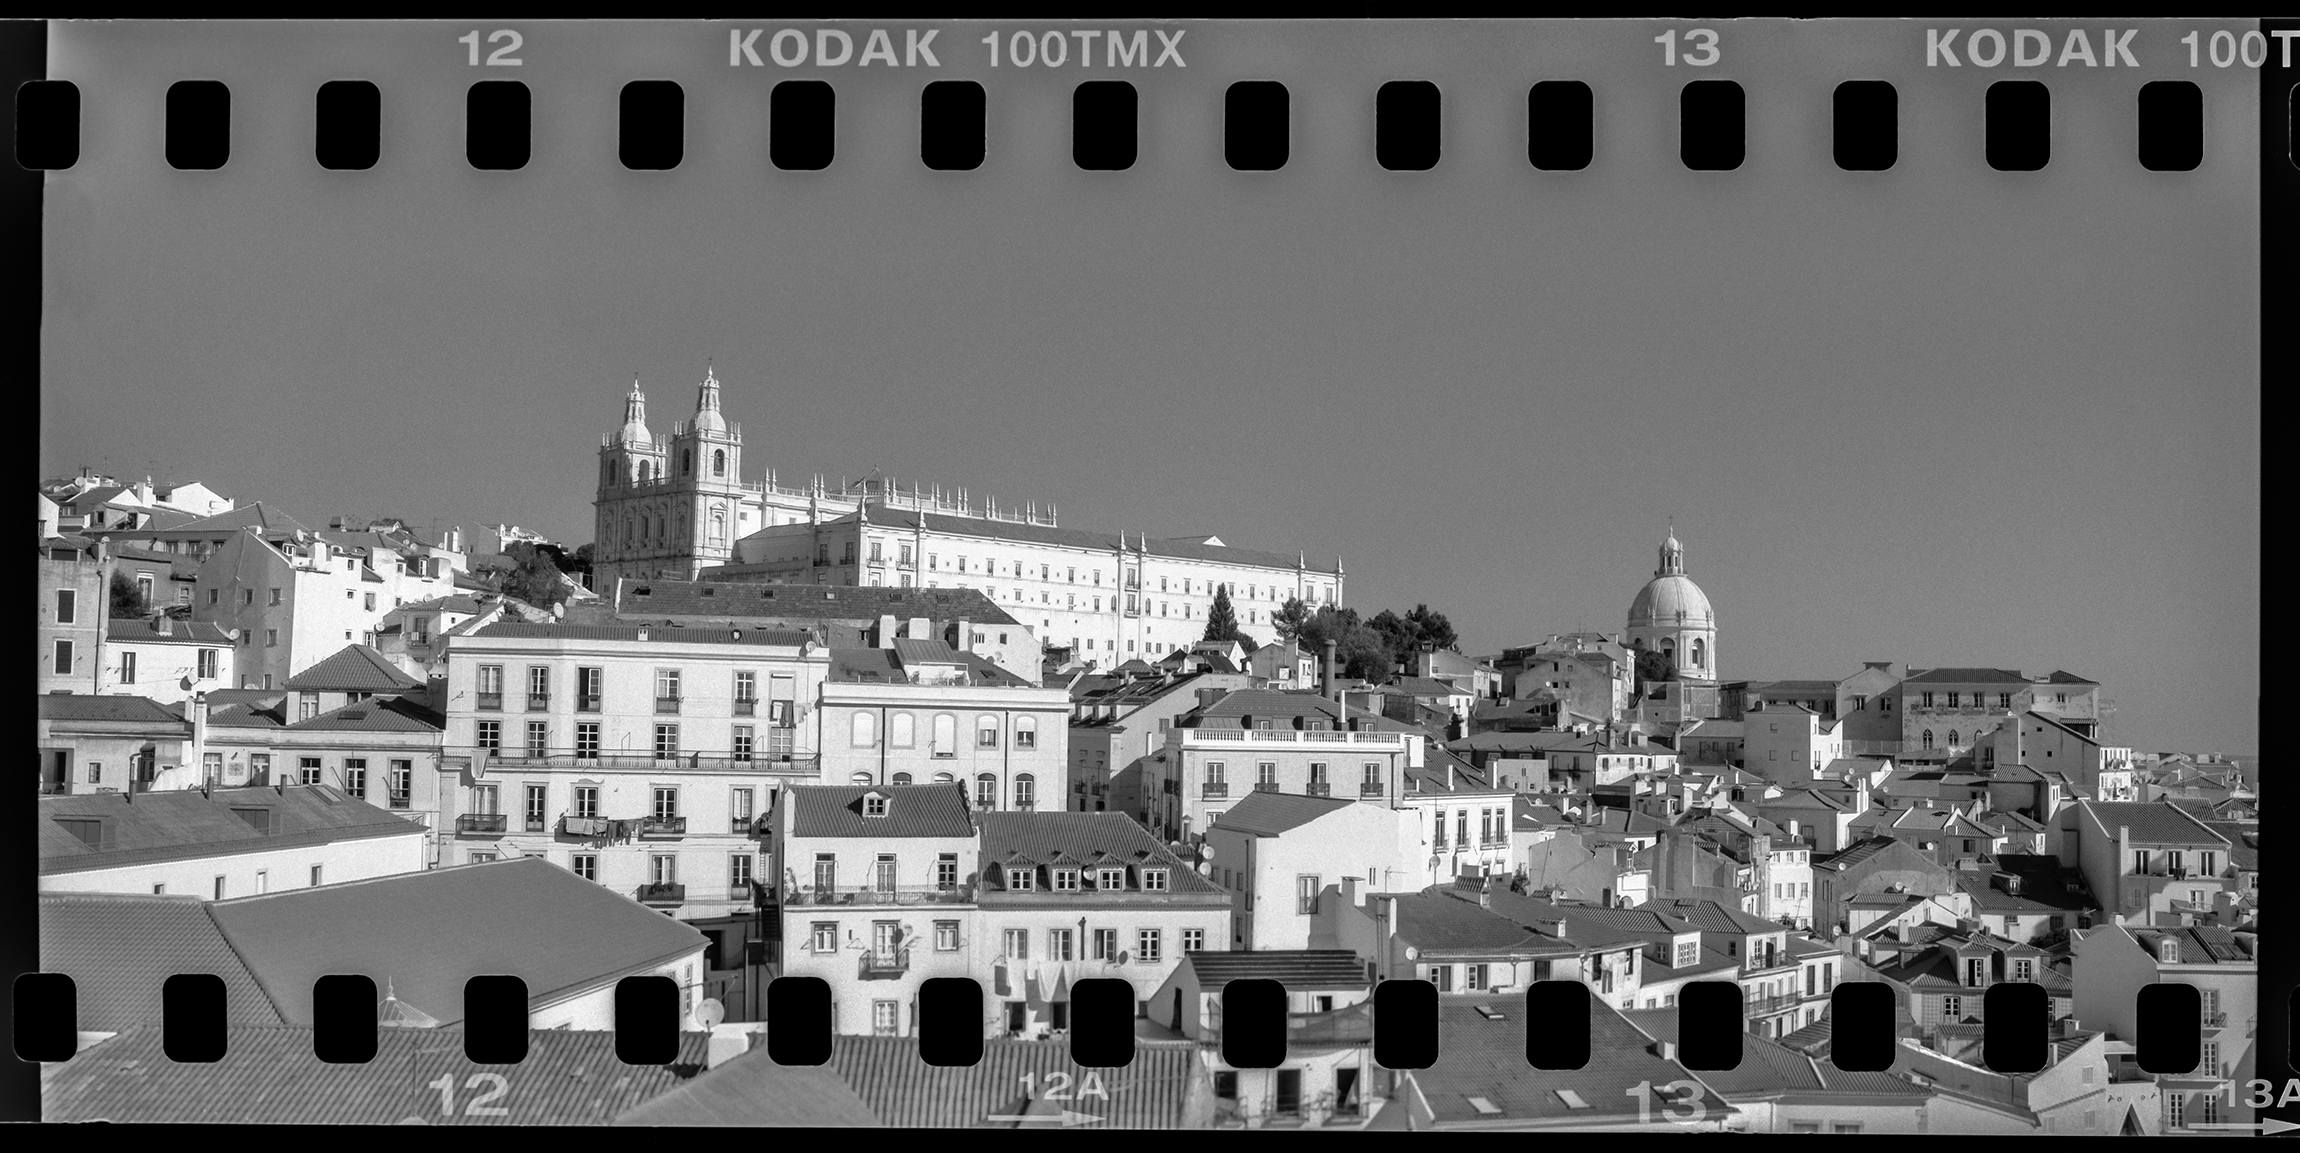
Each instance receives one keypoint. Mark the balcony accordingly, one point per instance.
(1371, 789)
(491, 702)
(480, 825)
(873, 967)
(399, 800)
(1318, 789)
(1211, 736)
(802, 765)
(2215, 1020)
(539, 702)
(588, 704)
(662, 826)
(1265, 786)
(907, 895)
(663, 893)
(537, 823)
(742, 825)
(667, 705)
(745, 708)
(1214, 789)
(1756, 1007)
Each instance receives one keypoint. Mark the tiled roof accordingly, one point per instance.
(1966, 676)
(1712, 729)
(353, 669)
(1438, 924)
(451, 603)
(1769, 1068)
(1282, 708)
(1431, 776)
(526, 915)
(1533, 742)
(924, 652)
(1269, 814)
(2243, 842)
(2152, 822)
(270, 522)
(114, 709)
(1807, 688)
(667, 634)
(1159, 1089)
(379, 715)
(1090, 839)
(751, 601)
(2061, 677)
(186, 824)
(1856, 853)
(911, 811)
(750, 1089)
(119, 949)
(1482, 1057)
(271, 1076)
(2198, 943)
(146, 630)
(1296, 968)
(1425, 687)
(1711, 917)
(1177, 548)
(1628, 822)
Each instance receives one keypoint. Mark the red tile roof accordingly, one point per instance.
(356, 669)
(1089, 840)
(120, 948)
(750, 1089)
(1165, 1087)
(911, 811)
(186, 824)
(1484, 1057)
(110, 709)
(269, 1075)
(379, 715)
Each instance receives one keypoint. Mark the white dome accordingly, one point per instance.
(1670, 600)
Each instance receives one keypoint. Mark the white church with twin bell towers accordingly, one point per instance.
(678, 508)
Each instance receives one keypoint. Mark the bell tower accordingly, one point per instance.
(631, 504)
(707, 459)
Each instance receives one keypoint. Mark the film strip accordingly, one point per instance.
(1929, 930)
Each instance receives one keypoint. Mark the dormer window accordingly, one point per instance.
(1110, 879)
(1021, 878)
(1154, 880)
(2168, 951)
(874, 804)
(1976, 970)
(1065, 880)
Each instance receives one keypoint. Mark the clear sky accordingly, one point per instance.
(1938, 415)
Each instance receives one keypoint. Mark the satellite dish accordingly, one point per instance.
(1206, 852)
(1205, 868)
(738, 634)
(1122, 958)
(710, 1013)
(232, 634)
(1412, 953)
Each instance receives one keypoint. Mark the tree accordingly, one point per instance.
(1290, 618)
(535, 575)
(1432, 632)
(1359, 651)
(1222, 619)
(127, 598)
(579, 561)
(1652, 667)
(1396, 633)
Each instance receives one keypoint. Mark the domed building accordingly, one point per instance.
(1671, 615)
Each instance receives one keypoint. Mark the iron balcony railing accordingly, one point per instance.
(1318, 789)
(900, 895)
(538, 702)
(742, 825)
(663, 893)
(562, 758)
(1371, 789)
(1215, 789)
(2215, 1020)
(491, 701)
(1763, 1006)
(662, 826)
(875, 967)
(1265, 786)
(666, 704)
(588, 704)
(538, 823)
(746, 708)
(399, 800)
(480, 824)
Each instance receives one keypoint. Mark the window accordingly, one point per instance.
(823, 937)
(1058, 945)
(1306, 894)
(742, 742)
(1952, 1007)
(1928, 738)
(945, 735)
(1149, 945)
(666, 690)
(585, 865)
(1474, 978)
(666, 741)
(1193, 940)
(128, 667)
(219, 888)
(587, 740)
(307, 769)
(874, 805)
(490, 686)
(207, 664)
(2210, 1063)
(1017, 944)
(663, 869)
(945, 932)
(1105, 945)
(986, 792)
(1153, 880)
(63, 664)
(1025, 792)
(986, 732)
(2175, 1104)
(538, 738)
(1025, 732)
(1065, 880)
(1021, 878)
(1110, 879)
(864, 730)
(590, 687)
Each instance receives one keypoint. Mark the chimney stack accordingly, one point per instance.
(918, 629)
(1350, 890)
(885, 638)
(1333, 686)
(1666, 1050)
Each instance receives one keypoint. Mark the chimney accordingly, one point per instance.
(965, 642)
(1901, 931)
(1666, 1050)
(166, 626)
(726, 1043)
(197, 712)
(918, 629)
(1350, 891)
(1333, 686)
(2123, 845)
(1485, 894)
(886, 631)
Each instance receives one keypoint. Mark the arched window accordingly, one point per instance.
(1026, 732)
(860, 779)
(945, 779)
(718, 526)
(902, 732)
(643, 526)
(686, 461)
(986, 792)
(986, 731)
(1952, 738)
(1700, 652)
(902, 778)
(1025, 793)
(945, 735)
(628, 529)
(1928, 738)
(646, 472)
(865, 730)
(718, 462)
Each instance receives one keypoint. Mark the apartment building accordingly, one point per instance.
(1276, 854)
(221, 843)
(1259, 740)
(2113, 963)
(921, 712)
(2151, 864)
(164, 660)
(1789, 743)
(74, 578)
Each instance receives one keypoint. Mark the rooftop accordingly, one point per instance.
(751, 1089)
(663, 633)
(119, 949)
(2151, 822)
(1086, 840)
(1154, 1091)
(1269, 814)
(109, 709)
(1298, 969)
(179, 825)
(1481, 1057)
(146, 630)
(911, 811)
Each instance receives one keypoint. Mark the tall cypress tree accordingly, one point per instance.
(1222, 620)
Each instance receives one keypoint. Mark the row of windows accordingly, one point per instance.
(902, 732)
(486, 800)
(662, 869)
(645, 472)
(351, 775)
(591, 689)
(263, 883)
(1266, 773)
(1492, 827)
(1979, 700)
(742, 742)
(985, 788)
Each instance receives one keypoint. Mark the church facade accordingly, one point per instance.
(677, 507)
(1671, 616)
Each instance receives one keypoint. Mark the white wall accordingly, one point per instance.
(282, 869)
